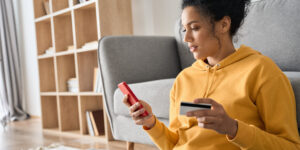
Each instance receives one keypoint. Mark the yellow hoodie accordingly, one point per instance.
(252, 90)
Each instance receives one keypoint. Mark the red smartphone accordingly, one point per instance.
(132, 99)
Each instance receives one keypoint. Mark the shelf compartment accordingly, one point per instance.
(87, 62)
(40, 8)
(59, 5)
(85, 25)
(49, 112)
(63, 31)
(65, 71)
(47, 75)
(69, 117)
(88, 103)
(43, 36)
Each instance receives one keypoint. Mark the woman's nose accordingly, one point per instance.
(187, 37)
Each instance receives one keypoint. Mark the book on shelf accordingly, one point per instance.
(48, 52)
(73, 85)
(46, 7)
(82, 1)
(71, 3)
(90, 45)
(70, 48)
(97, 121)
(97, 84)
(89, 123)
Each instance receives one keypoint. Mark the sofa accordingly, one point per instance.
(149, 64)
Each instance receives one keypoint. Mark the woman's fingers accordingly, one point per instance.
(125, 101)
(207, 101)
(201, 113)
(138, 113)
(134, 107)
(207, 120)
(142, 120)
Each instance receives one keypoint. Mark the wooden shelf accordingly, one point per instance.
(40, 19)
(86, 50)
(67, 42)
(79, 5)
(91, 93)
(45, 56)
(48, 93)
(62, 53)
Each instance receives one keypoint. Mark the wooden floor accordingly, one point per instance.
(24, 135)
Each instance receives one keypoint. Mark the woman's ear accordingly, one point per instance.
(225, 24)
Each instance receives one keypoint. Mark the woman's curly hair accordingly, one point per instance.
(217, 9)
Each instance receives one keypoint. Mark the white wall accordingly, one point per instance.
(155, 17)
(27, 44)
(150, 17)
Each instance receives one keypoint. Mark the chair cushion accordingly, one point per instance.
(294, 78)
(273, 28)
(155, 93)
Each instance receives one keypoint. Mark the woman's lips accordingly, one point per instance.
(193, 48)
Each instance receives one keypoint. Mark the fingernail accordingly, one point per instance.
(200, 125)
(201, 119)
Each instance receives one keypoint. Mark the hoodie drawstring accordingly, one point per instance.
(208, 86)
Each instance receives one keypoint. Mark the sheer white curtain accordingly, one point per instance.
(3, 104)
(11, 93)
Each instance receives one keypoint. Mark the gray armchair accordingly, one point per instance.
(149, 64)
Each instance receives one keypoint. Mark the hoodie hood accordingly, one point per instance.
(239, 54)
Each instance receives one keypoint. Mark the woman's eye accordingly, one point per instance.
(195, 28)
(184, 30)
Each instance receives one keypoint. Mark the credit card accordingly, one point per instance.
(187, 107)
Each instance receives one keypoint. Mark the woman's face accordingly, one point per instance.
(199, 34)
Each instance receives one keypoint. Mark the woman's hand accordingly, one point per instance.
(216, 118)
(135, 113)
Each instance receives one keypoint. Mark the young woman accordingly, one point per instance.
(253, 104)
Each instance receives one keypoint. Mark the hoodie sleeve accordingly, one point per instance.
(276, 106)
(162, 136)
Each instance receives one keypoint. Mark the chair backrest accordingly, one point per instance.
(271, 27)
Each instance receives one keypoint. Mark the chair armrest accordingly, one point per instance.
(135, 59)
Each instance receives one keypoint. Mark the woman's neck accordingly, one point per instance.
(225, 51)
